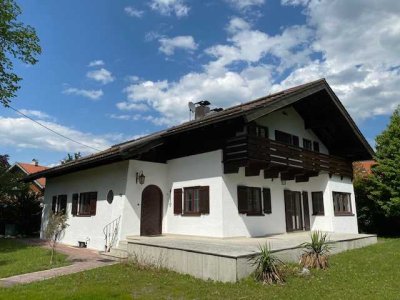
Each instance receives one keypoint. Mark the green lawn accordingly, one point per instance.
(18, 258)
(368, 273)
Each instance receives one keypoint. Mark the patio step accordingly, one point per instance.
(116, 254)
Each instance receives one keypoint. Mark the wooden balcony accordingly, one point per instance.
(291, 162)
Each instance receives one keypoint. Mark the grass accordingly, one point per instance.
(368, 273)
(19, 258)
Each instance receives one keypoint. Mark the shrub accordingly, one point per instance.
(268, 267)
(316, 254)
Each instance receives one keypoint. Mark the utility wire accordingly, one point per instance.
(44, 126)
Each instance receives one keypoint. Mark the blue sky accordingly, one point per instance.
(115, 70)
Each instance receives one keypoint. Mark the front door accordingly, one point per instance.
(294, 219)
(150, 221)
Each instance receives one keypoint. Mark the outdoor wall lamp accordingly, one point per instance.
(140, 177)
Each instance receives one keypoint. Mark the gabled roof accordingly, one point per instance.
(249, 111)
(30, 169)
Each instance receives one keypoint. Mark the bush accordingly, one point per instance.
(316, 254)
(268, 267)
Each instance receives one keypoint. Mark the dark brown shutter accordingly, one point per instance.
(93, 203)
(306, 211)
(295, 140)
(62, 203)
(267, 201)
(177, 201)
(242, 199)
(74, 209)
(53, 204)
(205, 199)
(316, 146)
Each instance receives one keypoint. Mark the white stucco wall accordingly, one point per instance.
(100, 180)
(290, 122)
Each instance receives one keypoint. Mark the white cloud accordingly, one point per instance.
(91, 94)
(355, 46)
(127, 106)
(102, 75)
(133, 12)
(169, 7)
(169, 45)
(96, 63)
(245, 4)
(24, 134)
(35, 113)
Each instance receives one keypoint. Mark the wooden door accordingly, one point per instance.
(151, 213)
(293, 211)
(306, 211)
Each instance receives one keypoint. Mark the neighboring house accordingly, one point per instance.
(363, 168)
(281, 163)
(38, 185)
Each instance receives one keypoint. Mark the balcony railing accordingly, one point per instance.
(245, 150)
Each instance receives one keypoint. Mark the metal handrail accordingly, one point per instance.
(111, 232)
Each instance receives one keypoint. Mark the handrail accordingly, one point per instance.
(111, 233)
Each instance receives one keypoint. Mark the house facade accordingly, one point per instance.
(38, 185)
(282, 163)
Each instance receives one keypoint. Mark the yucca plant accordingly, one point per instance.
(268, 266)
(316, 253)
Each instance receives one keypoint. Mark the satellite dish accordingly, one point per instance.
(192, 107)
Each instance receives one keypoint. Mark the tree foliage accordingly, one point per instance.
(56, 225)
(17, 42)
(386, 173)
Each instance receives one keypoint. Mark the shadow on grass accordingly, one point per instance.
(11, 245)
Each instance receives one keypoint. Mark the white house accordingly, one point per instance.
(277, 164)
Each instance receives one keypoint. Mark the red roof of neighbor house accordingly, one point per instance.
(31, 169)
(366, 165)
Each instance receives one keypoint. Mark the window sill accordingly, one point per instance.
(81, 215)
(319, 214)
(344, 215)
(191, 214)
(255, 214)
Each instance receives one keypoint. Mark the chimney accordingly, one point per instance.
(35, 162)
(201, 110)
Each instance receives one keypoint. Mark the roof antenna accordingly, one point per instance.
(192, 108)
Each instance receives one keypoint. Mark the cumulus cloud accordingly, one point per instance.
(169, 45)
(35, 114)
(102, 75)
(245, 4)
(22, 133)
(355, 46)
(133, 12)
(91, 94)
(127, 106)
(169, 7)
(96, 63)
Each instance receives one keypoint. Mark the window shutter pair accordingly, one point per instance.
(267, 201)
(204, 200)
(75, 199)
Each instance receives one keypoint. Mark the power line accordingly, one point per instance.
(44, 126)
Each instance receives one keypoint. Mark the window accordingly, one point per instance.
(84, 204)
(258, 131)
(286, 138)
(249, 200)
(318, 203)
(196, 200)
(342, 204)
(316, 146)
(110, 196)
(59, 204)
(307, 144)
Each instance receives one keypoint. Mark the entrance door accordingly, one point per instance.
(150, 221)
(294, 219)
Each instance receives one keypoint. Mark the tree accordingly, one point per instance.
(10, 184)
(386, 173)
(17, 42)
(71, 157)
(56, 225)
